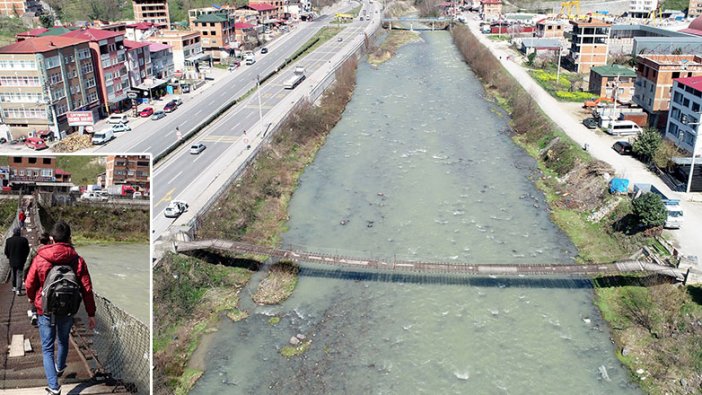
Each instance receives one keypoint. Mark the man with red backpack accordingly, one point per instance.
(58, 280)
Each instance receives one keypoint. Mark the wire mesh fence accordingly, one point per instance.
(119, 347)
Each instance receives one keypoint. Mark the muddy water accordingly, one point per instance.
(121, 273)
(420, 169)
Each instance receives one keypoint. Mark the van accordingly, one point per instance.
(623, 128)
(118, 118)
(250, 59)
(103, 136)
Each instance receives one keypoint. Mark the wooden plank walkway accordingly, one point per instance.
(590, 270)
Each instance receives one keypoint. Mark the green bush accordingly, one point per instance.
(646, 144)
(650, 210)
(574, 96)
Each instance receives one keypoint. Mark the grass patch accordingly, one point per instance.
(8, 210)
(275, 320)
(189, 295)
(323, 35)
(498, 37)
(393, 41)
(278, 285)
(563, 88)
(84, 169)
(290, 351)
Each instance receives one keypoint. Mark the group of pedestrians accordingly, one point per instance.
(57, 281)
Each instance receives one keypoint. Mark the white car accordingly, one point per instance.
(121, 127)
(197, 148)
(93, 197)
(175, 208)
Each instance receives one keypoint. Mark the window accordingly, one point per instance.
(677, 97)
(84, 53)
(51, 62)
(695, 107)
(205, 33)
(32, 160)
(86, 68)
(686, 102)
(54, 78)
(17, 159)
(90, 82)
(24, 113)
(673, 130)
(19, 81)
(213, 33)
(92, 97)
(689, 138)
(47, 172)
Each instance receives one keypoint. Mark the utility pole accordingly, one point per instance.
(694, 149)
(258, 89)
(558, 67)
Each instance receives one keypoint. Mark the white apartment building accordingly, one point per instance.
(686, 105)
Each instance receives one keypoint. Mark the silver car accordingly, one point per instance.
(158, 115)
(121, 127)
(175, 208)
(197, 148)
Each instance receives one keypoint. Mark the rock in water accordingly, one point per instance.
(603, 373)
(294, 341)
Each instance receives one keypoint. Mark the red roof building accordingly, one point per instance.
(490, 9)
(109, 57)
(267, 10)
(695, 27)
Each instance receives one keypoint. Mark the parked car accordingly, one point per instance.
(590, 123)
(158, 115)
(120, 127)
(93, 197)
(175, 208)
(339, 39)
(170, 106)
(623, 148)
(177, 100)
(185, 88)
(35, 143)
(264, 50)
(118, 118)
(623, 128)
(197, 148)
(146, 112)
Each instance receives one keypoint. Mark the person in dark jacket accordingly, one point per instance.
(17, 250)
(59, 252)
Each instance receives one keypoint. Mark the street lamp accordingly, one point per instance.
(685, 121)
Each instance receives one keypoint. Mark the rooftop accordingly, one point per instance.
(541, 43)
(155, 47)
(214, 17)
(173, 34)
(693, 82)
(41, 44)
(674, 60)
(266, 7)
(490, 1)
(613, 71)
(129, 44)
(93, 34)
(243, 26)
(591, 22)
(141, 25)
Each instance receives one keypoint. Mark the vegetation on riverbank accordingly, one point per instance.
(394, 40)
(91, 224)
(566, 89)
(658, 332)
(189, 295)
(254, 209)
(84, 169)
(8, 210)
(278, 285)
(574, 187)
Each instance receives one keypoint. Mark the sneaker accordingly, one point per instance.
(33, 320)
(14, 289)
(18, 292)
(53, 392)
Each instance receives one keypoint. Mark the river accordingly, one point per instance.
(122, 274)
(421, 169)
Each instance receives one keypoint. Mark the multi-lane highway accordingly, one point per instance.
(184, 176)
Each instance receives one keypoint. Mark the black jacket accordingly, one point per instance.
(17, 250)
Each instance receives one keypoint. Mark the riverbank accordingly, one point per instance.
(254, 208)
(388, 48)
(567, 172)
(98, 224)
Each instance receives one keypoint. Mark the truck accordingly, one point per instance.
(297, 77)
(120, 190)
(675, 216)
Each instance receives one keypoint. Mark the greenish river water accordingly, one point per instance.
(122, 274)
(421, 169)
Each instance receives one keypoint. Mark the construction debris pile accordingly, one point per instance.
(72, 143)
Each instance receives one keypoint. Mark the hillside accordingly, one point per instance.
(84, 169)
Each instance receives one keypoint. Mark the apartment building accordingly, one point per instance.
(140, 31)
(17, 8)
(154, 11)
(109, 60)
(695, 9)
(654, 82)
(186, 47)
(217, 34)
(36, 170)
(588, 45)
(279, 6)
(161, 61)
(134, 170)
(42, 79)
(266, 12)
(686, 105)
(604, 80)
(490, 9)
(138, 62)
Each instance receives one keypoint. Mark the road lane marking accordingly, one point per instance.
(167, 197)
(198, 111)
(174, 177)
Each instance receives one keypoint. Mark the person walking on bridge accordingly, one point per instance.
(58, 265)
(17, 250)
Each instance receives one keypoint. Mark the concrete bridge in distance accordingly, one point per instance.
(519, 270)
(405, 23)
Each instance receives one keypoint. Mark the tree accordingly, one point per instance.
(47, 21)
(646, 144)
(650, 210)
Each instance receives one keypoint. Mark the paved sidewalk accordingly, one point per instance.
(689, 238)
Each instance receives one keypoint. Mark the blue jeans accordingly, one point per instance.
(48, 333)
